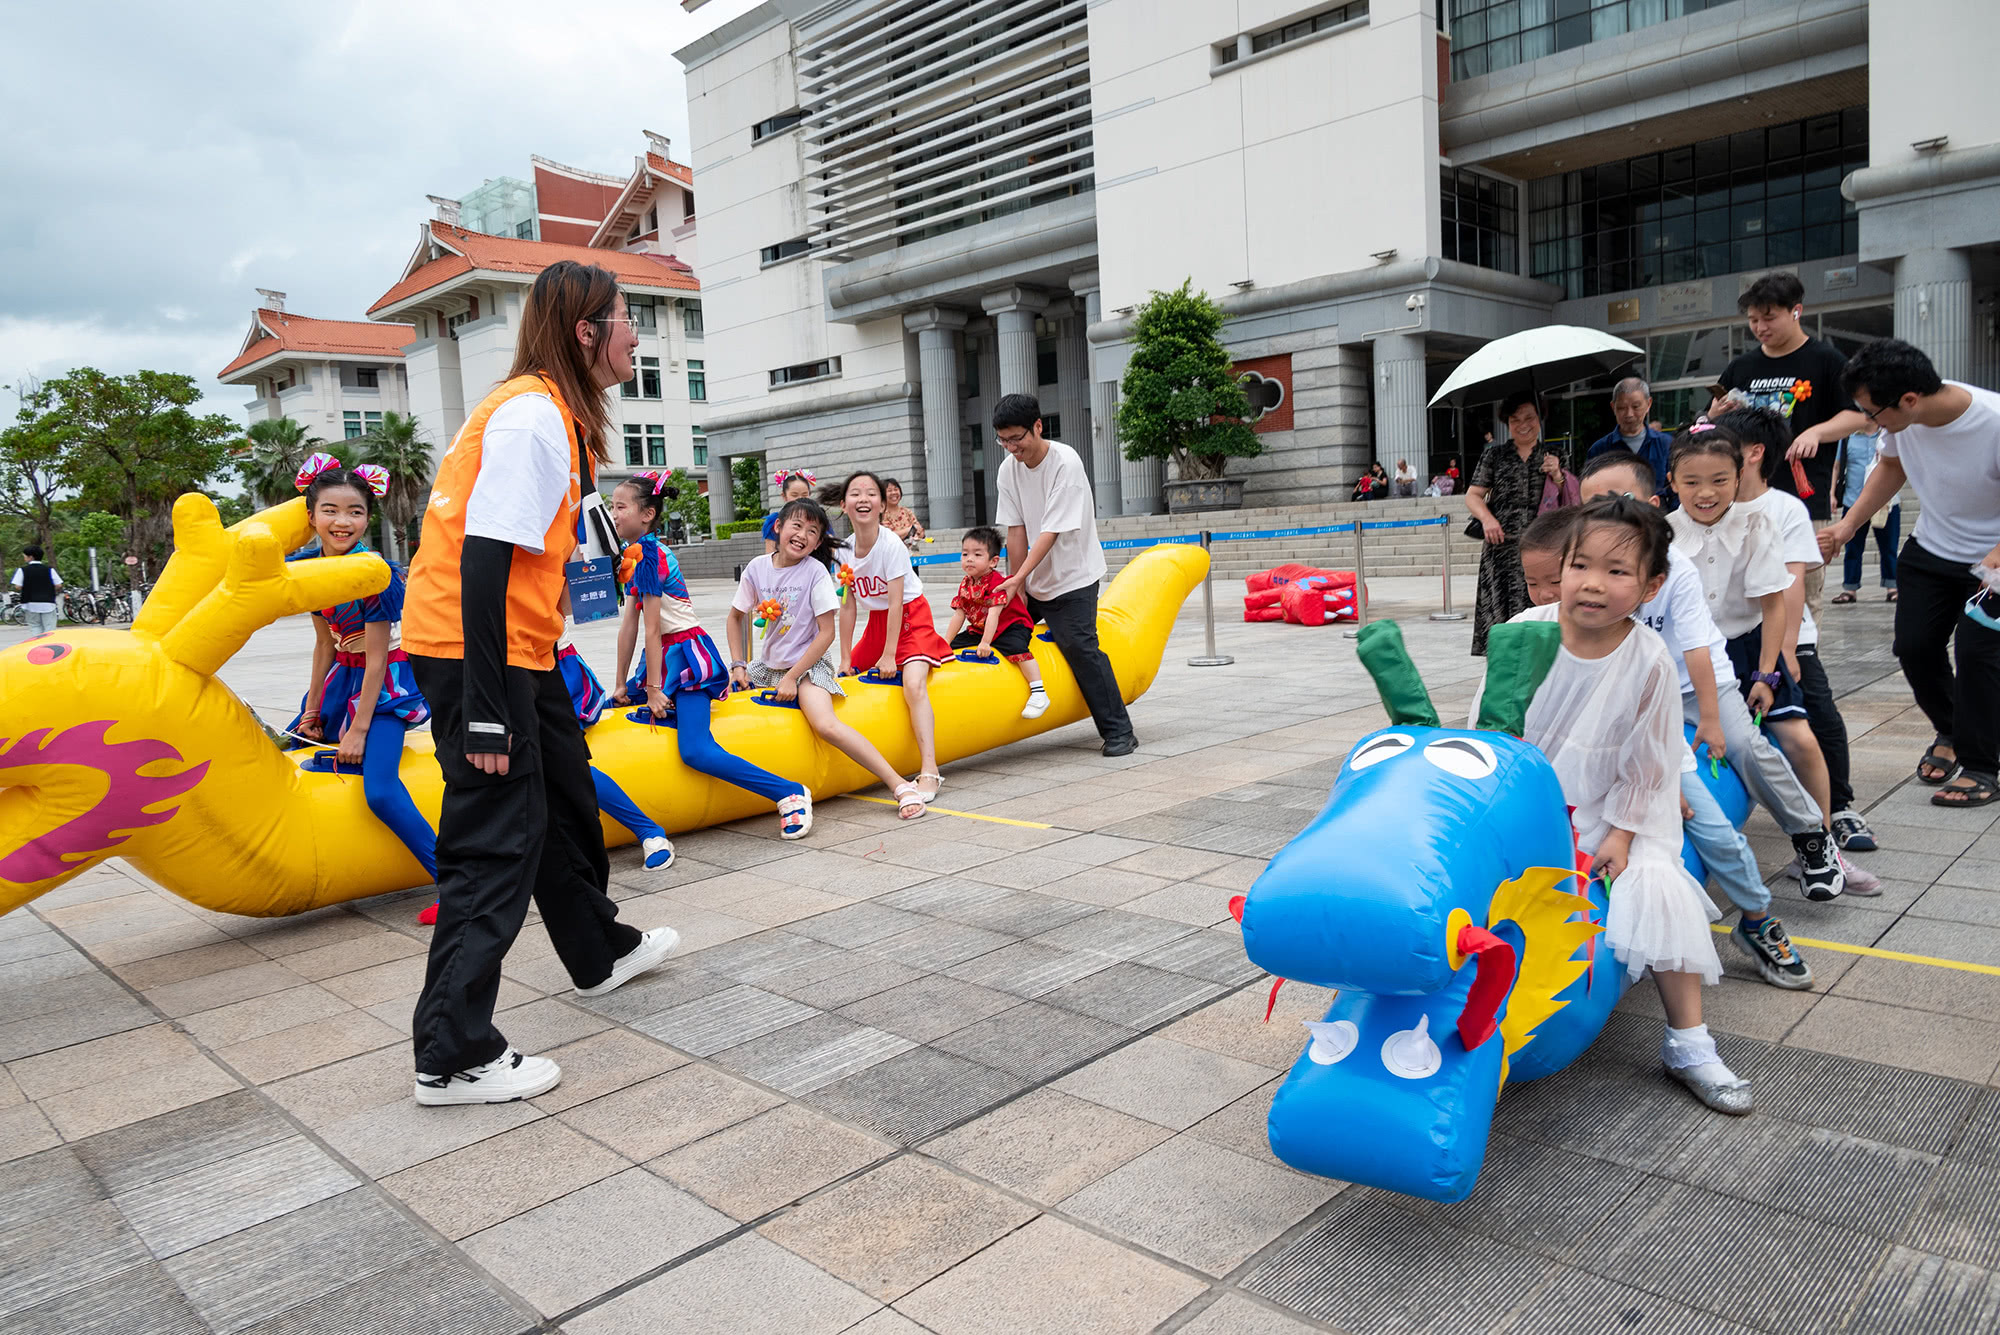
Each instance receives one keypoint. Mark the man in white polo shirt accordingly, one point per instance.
(1945, 438)
(1053, 556)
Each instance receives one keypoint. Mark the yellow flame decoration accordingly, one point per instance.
(1543, 912)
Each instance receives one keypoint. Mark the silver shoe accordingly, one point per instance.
(1717, 1086)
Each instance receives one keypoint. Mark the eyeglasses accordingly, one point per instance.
(1875, 416)
(1006, 441)
(627, 321)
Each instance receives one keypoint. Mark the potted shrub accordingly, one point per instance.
(1182, 401)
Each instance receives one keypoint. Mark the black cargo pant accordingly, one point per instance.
(1072, 622)
(1963, 705)
(501, 839)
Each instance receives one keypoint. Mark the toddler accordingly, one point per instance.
(796, 658)
(991, 622)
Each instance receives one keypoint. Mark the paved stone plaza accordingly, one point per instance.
(1000, 1072)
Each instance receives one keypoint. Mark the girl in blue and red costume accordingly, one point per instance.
(587, 694)
(361, 694)
(681, 673)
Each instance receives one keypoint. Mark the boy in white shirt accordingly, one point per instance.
(1054, 559)
(1711, 702)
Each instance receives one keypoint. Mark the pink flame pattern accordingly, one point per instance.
(115, 817)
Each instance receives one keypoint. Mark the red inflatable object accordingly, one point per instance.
(1302, 595)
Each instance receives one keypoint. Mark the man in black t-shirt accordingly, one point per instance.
(1800, 377)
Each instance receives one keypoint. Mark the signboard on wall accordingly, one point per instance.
(1622, 312)
(1268, 383)
(1681, 301)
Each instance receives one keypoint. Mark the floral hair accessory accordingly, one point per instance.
(785, 475)
(309, 471)
(376, 476)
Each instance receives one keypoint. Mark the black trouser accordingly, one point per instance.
(1072, 622)
(1828, 727)
(1964, 706)
(534, 831)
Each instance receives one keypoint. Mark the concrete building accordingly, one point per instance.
(653, 214)
(925, 203)
(459, 301)
(335, 378)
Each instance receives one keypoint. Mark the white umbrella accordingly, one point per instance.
(1536, 360)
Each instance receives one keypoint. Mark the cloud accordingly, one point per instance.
(154, 180)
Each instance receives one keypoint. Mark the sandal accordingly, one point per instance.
(1891, 598)
(931, 796)
(1943, 768)
(909, 802)
(1979, 789)
(1844, 597)
(795, 816)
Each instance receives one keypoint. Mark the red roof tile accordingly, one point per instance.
(283, 332)
(667, 167)
(505, 254)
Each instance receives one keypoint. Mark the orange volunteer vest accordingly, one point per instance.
(433, 625)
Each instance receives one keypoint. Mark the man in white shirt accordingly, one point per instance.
(39, 587)
(1053, 557)
(1945, 438)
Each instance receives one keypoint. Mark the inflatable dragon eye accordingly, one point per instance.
(1386, 747)
(1467, 757)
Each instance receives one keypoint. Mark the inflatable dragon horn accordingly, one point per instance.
(1431, 893)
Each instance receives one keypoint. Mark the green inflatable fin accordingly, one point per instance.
(1380, 646)
(1518, 655)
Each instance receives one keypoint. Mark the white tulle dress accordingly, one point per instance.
(1612, 728)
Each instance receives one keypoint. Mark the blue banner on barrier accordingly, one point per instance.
(1248, 535)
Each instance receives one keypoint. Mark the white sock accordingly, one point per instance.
(1689, 1047)
(1034, 688)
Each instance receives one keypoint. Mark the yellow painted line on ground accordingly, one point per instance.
(968, 815)
(1875, 954)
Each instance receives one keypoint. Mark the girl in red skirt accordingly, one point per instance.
(899, 636)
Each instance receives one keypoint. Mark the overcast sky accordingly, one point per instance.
(161, 162)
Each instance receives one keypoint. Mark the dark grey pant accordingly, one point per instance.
(1072, 622)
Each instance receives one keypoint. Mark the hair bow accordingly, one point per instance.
(309, 471)
(785, 475)
(657, 479)
(376, 476)
(1703, 425)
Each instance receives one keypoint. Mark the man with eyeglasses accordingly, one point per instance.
(1944, 437)
(1053, 556)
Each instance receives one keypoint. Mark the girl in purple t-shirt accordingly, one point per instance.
(796, 660)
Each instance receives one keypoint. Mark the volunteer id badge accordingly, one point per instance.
(593, 588)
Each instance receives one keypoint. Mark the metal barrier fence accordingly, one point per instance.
(1207, 539)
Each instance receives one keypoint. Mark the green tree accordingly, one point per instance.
(398, 444)
(268, 458)
(31, 454)
(746, 485)
(1182, 400)
(132, 443)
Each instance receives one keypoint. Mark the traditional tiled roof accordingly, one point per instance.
(469, 251)
(680, 171)
(273, 332)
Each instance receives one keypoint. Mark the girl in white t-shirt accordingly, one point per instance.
(796, 661)
(1608, 716)
(900, 636)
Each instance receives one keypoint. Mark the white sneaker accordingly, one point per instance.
(653, 948)
(1038, 704)
(508, 1077)
(1860, 881)
(659, 853)
(795, 815)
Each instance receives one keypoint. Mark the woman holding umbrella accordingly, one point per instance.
(1505, 494)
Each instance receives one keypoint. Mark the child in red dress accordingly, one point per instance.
(990, 624)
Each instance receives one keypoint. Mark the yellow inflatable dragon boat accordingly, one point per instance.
(124, 743)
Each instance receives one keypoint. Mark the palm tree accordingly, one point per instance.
(268, 459)
(398, 445)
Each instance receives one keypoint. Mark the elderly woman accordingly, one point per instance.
(898, 520)
(1505, 495)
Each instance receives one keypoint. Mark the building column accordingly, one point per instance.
(1934, 308)
(1073, 389)
(1106, 459)
(721, 495)
(1401, 431)
(1014, 310)
(937, 331)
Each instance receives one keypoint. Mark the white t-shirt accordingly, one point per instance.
(1955, 469)
(873, 573)
(39, 607)
(804, 589)
(1053, 497)
(1797, 539)
(524, 473)
(1740, 558)
(1680, 616)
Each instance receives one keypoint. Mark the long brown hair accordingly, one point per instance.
(564, 293)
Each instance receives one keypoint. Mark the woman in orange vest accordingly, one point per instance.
(486, 603)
